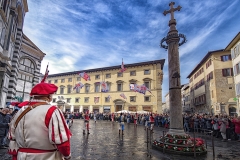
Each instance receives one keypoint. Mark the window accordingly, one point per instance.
(86, 99)
(69, 79)
(49, 81)
(147, 84)
(225, 58)
(109, 86)
(108, 75)
(68, 100)
(147, 99)
(27, 65)
(227, 72)
(212, 94)
(97, 87)
(54, 100)
(55, 81)
(69, 89)
(87, 88)
(191, 79)
(208, 63)
(132, 73)
(119, 74)
(62, 80)
(3, 36)
(107, 99)
(119, 87)
(78, 78)
(5, 5)
(210, 76)
(61, 90)
(76, 100)
(78, 90)
(146, 71)
(97, 76)
(132, 98)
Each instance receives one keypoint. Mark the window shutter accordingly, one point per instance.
(223, 73)
(232, 53)
(230, 57)
(221, 58)
(234, 70)
(231, 71)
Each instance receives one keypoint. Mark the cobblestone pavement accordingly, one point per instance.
(104, 143)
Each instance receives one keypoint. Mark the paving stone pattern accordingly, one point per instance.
(104, 143)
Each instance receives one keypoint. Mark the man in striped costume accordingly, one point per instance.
(38, 131)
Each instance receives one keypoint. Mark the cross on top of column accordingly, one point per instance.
(172, 10)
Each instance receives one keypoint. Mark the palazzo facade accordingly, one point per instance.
(149, 73)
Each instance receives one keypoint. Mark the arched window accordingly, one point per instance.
(3, 32)
(62, 89)
(5, 5)
(27, 66)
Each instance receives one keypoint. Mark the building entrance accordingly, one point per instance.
(232, 111)
(118, 108)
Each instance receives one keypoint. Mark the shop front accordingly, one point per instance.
(132, 108)
(106, 109)
(85, 108)
(95, 109)
(147, 108)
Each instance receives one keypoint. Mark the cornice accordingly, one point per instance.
(31, 50)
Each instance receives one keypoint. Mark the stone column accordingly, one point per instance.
(90, 108)
(81, 109)
(173, 43)
(72, 108)
(64, 108)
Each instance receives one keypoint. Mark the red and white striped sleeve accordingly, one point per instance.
(59, 133)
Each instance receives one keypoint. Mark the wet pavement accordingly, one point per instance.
(104, 143)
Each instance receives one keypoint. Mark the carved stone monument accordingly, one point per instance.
(176, 140)
(172, 40)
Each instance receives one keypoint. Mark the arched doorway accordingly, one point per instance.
(232, 111)
(118, 105)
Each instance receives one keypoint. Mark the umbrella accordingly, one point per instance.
(123, 111)
(142, 112)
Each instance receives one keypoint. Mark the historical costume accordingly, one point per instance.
(112, 117)
(151, 119)
(38, 131)
(86, 122)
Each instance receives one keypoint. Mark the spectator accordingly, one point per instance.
(4, 121)
(236, 121)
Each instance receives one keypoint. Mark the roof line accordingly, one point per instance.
(204, 59)
(110, 68)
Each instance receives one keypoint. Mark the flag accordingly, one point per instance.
(45, 76)
(123, 96)
(78, 85)
(85, 76)
(143, 89)
(132, 87)
(104, 87)
(122, 67)
(96, 100)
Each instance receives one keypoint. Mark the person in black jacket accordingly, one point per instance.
(4, 122)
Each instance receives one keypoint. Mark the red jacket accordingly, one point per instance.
(237, 126)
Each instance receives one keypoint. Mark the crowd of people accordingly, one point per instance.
(6, 115)
(221, 126)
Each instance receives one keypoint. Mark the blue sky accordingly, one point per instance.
(86, 34)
